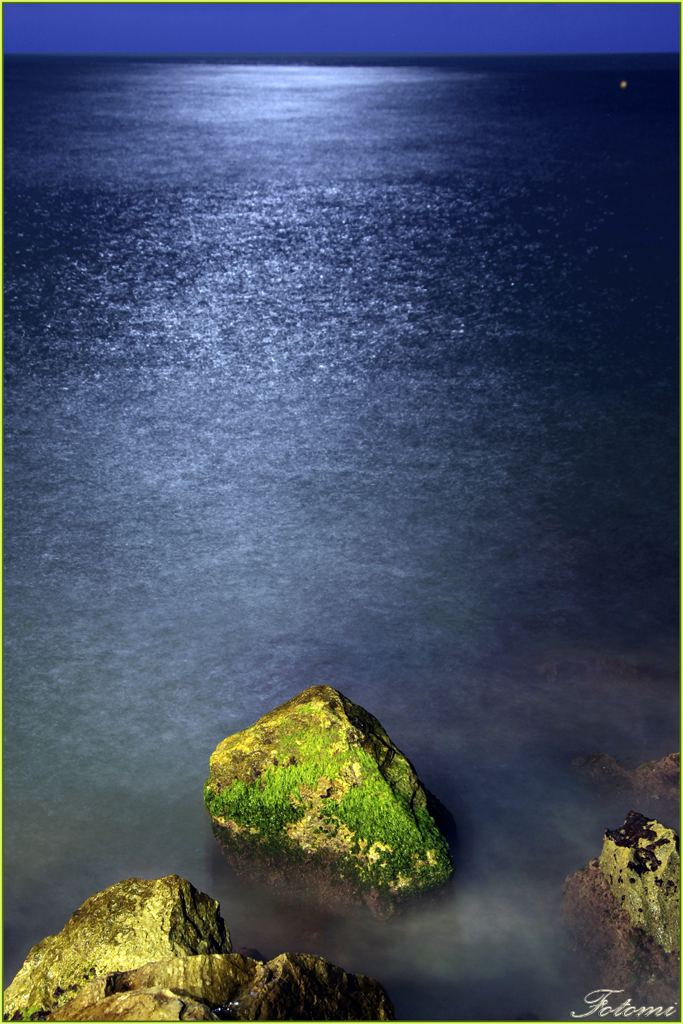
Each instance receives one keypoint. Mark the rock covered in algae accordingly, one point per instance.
(627, 942)
(319, 781)
(231, 987)
(123, 927)
(641, 863)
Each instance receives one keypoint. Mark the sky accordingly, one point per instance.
(341, 28)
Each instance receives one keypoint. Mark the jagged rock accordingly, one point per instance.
(604, 773)
(659, 780)
(621, 941)
(231, 987)
(211, 979)
(316, 789)
(249, 951)
(142, 1004)
(654, 781)
(304, 987)
(123, 927)
(641, 863)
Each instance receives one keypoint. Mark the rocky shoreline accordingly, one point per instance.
(316, 798)
(159, 950)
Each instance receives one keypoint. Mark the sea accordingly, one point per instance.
(358, 371)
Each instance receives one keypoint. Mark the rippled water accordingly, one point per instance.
(352, 375)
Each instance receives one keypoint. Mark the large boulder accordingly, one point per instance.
(622, 911)
(121, 928)
(318, 785)
(231, 987)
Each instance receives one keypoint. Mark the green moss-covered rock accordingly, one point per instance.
(121, 928)
(641, 864)
(318, 781)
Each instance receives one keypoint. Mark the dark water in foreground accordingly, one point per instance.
(364, 376)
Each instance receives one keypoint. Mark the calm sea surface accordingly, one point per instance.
(356, 375)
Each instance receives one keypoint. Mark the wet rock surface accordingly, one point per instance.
(654, 784)
(142, 1004)
(231, 987)
(622, 911)
(316, 797)
(123, 927)
(105, 965)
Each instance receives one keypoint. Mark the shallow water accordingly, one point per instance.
(362, 376)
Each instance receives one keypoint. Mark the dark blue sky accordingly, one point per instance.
(341, 28)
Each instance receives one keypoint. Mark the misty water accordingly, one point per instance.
(355, 375)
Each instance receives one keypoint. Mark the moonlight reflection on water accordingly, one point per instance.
(362, 376)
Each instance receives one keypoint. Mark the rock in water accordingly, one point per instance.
(232, 987)
(214, 979)
(622, 911)
(123, 927)
(318, 782)
(655, 784)
(660, 780)
(641, 863)
(98, 967)
(142, 1004)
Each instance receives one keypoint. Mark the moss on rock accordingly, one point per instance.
(613, 952)
(641, 863)
(123, 927)
(319, 781)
